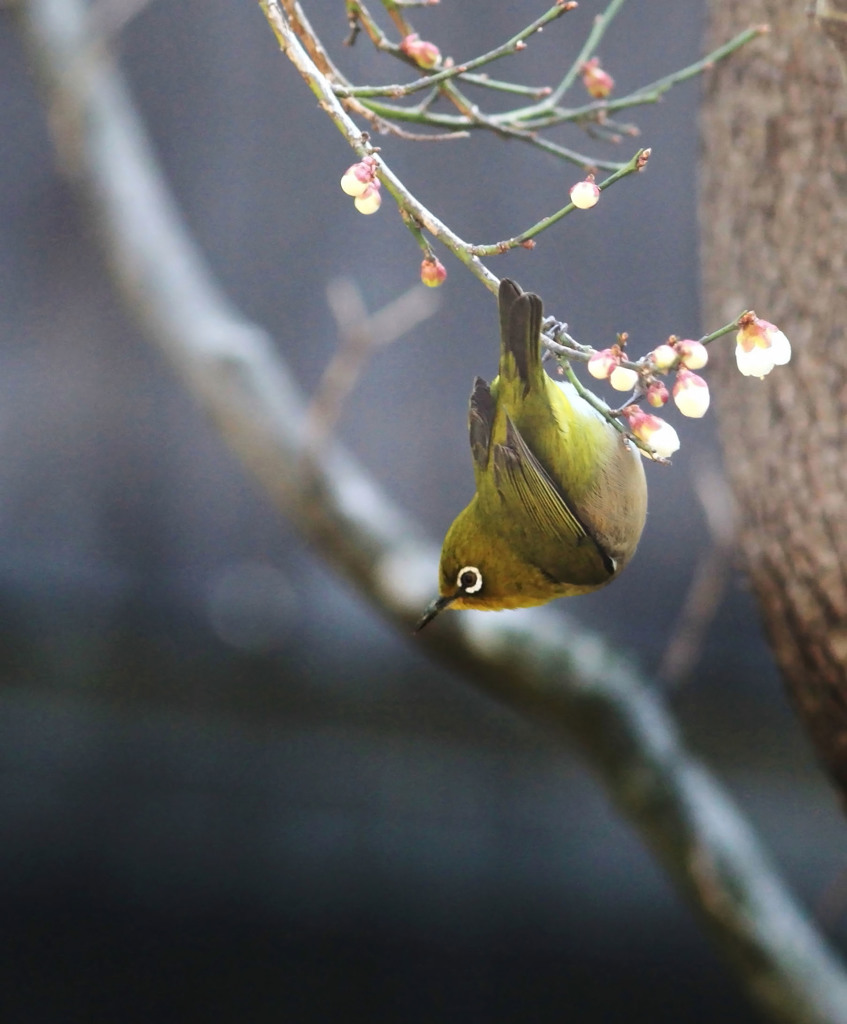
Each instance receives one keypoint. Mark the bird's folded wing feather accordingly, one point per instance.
(481, 422)
(526, 487)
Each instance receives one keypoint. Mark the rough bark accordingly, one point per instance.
(831, 16)
(774, 224)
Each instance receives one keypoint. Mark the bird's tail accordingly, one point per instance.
(520, 330)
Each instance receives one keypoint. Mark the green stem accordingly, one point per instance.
(726, 329)
(357, 13)
(418, 115)
(599, 29)
(547, 146)
(547, 113)
(395, 12)
(610, 415)
(417, 234)
(466, 122)
(637, 163)
(486, 82)
(651, 93)
(601, 24)
(510, 46)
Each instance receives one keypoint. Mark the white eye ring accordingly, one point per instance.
(472, 586)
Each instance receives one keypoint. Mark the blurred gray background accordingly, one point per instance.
(226, 788)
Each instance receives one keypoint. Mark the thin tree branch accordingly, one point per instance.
(549, 113)
(318, 83)
(359, 336)
(539, 663)
(709, 584)
(510, 46)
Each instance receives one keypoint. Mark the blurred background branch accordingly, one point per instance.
(711, 578)
(541, 665)
(359, 336)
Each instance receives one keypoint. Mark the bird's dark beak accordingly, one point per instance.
(432, 609)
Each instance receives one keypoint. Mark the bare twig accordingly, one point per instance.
(559, 673)
(548, 112)
(359, 336)
(711, 577)
(516, 43)
(636, 164)
(360, 144)
(309, 38)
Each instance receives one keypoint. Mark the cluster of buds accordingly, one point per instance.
(606, 365)
(360, 182)
(598, 83)
(760, 346)
(425, 55)
(690, 391)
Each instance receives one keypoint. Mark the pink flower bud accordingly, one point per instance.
(584, 194)
(657, 394)
(653, 431)
(598, 83)
(358, 177)
(760, 346)
(370, 200)
(623, 379)
(691, 394)
(664, 357)
(433, 273)
(424, 54)
(692, 354)
(602, 363)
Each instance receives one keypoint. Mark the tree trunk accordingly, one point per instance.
(774, 228)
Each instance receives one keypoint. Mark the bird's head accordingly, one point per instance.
(481, 570)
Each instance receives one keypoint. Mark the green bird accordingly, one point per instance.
(561, 496)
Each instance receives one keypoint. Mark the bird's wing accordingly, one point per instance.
(571, 554)
(481, 422)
